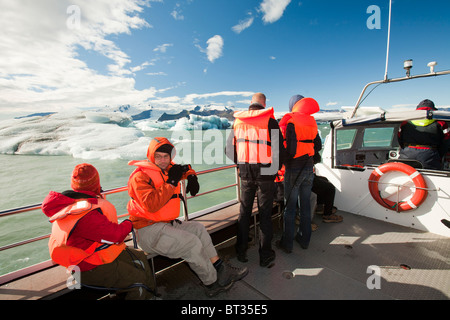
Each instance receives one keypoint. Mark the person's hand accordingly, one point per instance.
(192, 185)
(175, 174)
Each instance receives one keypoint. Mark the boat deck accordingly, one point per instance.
(412, 265)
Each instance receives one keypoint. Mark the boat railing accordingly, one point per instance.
(185, 216)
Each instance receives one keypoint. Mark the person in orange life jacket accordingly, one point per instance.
(279, 180)
(424, 140)
(284, 120)
(301, 132)
(154, 188)
(86, 233)
(256, 146)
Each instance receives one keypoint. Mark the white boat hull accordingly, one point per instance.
(353, 195)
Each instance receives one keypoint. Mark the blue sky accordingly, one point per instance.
(62, 54)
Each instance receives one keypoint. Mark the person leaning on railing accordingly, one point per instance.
(86, 236)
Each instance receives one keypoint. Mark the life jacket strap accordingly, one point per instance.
(254, 141)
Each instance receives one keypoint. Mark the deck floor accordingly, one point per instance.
(411, 265)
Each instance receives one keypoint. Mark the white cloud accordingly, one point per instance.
(195, 99)
(40, 67)
(163, 48)
(330, 104)
(215, 47)
(156, 73)
(189, 99)
(176, 13)
(242, 25)
(142, 66)
(273, 9)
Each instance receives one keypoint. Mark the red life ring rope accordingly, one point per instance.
(416, 200)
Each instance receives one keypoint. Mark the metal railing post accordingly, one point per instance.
(184, 200)
(238, 184)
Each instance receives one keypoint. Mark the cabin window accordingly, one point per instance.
(345, 138)
(378, 137)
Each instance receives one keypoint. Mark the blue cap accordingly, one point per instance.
(294, 100)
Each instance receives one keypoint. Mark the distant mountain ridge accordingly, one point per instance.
(148, 112)
(226, 113)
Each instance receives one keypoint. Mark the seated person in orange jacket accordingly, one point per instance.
(154, 188)
(87, 235)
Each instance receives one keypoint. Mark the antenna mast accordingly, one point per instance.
(388, 40)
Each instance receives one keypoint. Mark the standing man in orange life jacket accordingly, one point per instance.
(256, 146)
(154, 207)
(301, 132)
(86, 234)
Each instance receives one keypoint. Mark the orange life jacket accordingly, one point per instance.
(306, 131)
(63, 223)
(252, 138)
(305, 125)
(169, 212)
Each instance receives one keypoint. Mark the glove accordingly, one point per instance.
(175, 174)
(192, 185)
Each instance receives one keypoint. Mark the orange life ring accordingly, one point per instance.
(416, 200)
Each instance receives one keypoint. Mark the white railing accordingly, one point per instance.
(186, 216)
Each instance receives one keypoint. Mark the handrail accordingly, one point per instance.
(425, 75)
(108, 192)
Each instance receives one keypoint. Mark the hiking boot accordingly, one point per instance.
(268, 261)
(332, 218)
(242, 256)
(281, 247)
(215, 288)
(300, 241)
(229, 274)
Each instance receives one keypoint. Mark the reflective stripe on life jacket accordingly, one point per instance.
(305, 131)
(252, 137)
(65, 221)
(169, 212)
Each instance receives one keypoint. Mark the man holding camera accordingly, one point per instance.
(154, 188)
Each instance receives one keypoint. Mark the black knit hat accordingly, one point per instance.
(166, 148)
(426, 105)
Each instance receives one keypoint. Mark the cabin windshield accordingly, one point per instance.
(360, 145)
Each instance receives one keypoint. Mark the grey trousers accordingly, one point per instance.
(188, 240)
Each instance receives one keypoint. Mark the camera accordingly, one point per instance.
(185, 167)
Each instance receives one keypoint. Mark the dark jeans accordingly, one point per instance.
(297, 187)
(264, 189)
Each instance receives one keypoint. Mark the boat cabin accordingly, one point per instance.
(357, 147)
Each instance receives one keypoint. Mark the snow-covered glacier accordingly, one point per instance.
(93, 134)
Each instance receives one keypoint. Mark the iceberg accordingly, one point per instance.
(71, 134)
(101, 134)
(118, 118)
(92, 135)
(194, 122)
